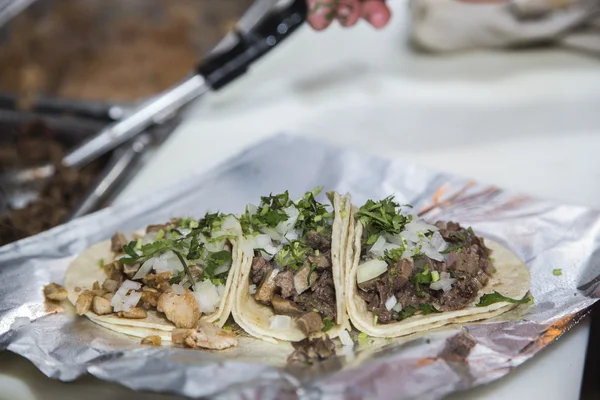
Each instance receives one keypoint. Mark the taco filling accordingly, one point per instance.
(180, 270)
(409, 267)
(291, 269)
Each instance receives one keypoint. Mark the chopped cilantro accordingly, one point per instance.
(435, 276)
(328, 324)
(101, 263)
(389, 339)
(557, 272)
(313, 216)
(496, 297)
(428, 309)
(362, 338)
(292, 255)
(423, 277)
(408, 312)
(177, 278)
(227, 328)
(381, 217)
(159, 235)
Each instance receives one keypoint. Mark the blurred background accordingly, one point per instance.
(503, 91)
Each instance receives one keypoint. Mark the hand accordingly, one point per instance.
(321, 13)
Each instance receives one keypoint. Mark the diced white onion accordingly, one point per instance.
(431, 252)
(131, 285)
(280, 322)
(207, 296)
(251, 208)
(290, 236)
(122, 301)
(231, 225)
(144, 269)
(223, 267)
(178, 289)
(397, 307)
(438, 242)
(416, 226)
(215, 246)
(148, 238)
(345, 338)
(272, 233)
(445, 282)
(252, 289)
(220, 291)
(285, 226)
(391, 302)
(261, 241)
(380, 246)
(370, 269)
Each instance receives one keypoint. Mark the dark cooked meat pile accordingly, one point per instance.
(469, 264)
(306, 294)
(37, 145)
(110, 49)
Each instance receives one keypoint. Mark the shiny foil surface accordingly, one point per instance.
(546, 235)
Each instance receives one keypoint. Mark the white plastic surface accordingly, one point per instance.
(526, 121)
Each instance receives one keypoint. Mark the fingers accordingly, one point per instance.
(376, 12)
(321, 13)
(348, 12)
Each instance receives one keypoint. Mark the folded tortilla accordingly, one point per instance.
(511, 279)
(84, 271)
(255, 318)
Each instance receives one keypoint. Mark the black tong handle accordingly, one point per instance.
(221, 68)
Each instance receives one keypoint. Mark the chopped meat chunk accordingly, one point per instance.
(302, 281)
(149, 297)
(118, 242)
(55, 292)
(259, 269)
(114, 271)
(285, 282)
(133, 313)
(181, 309)
(158, 281)
(285, 306)
(319, 241)
(310, 322)
(316, 347)
(266, 290)
(153, 340)
(101, 305)
(84, 302)
(207, 336)
(131, 269)
(110, 285)
(322, 261)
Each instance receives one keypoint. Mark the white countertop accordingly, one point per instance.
(527, 121)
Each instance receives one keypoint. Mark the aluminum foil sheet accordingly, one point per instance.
(546, 235)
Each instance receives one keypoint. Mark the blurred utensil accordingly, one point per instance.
(266, 24)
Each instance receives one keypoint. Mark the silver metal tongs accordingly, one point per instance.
(264, 25)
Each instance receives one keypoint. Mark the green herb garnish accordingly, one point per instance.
(292, 255)
(101, 263)
(496, 297)
(423, 277)
(381, 216)
(362, 338)
(428, 309)
(328, 324)
(557, 272)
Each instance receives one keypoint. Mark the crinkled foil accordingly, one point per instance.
(546, 235)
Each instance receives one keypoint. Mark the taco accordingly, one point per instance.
(405, 275)
(290, 284)
(173, 281)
